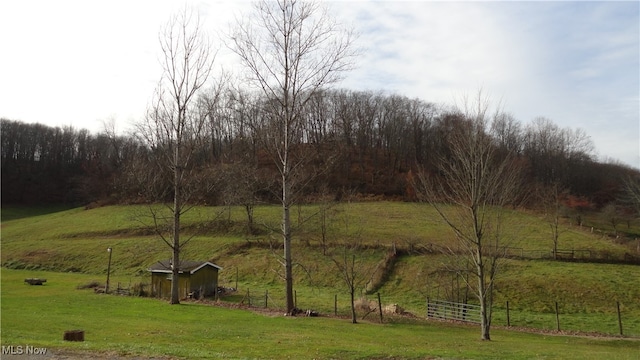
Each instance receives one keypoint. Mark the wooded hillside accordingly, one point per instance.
(361, 143)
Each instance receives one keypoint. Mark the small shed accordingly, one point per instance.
(196, 278)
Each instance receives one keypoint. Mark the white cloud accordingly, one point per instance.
(437, 50)
(575, 63)
(76, 62)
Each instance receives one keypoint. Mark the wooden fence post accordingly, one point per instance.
(508, 316)
(266, 298)
(335, 305)
(557, 318)
(619, 317)
(380, 307)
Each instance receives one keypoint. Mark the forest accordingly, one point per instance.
(366, 144)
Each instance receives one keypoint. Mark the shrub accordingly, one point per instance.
(90, 285)
(138, 289)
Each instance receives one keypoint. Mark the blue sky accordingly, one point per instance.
(78, 63)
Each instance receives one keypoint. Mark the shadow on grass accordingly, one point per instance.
(14, 212)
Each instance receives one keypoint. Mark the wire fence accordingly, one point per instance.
(611, 323)
(373, 308)
(560, 254)
(578, 255)
(260, 300)
(368, 307)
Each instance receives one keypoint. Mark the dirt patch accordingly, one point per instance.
(64, 354)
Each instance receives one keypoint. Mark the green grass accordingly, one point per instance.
(586, 293)
(39, 315)
(76, 241)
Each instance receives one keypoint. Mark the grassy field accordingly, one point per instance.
(131, 326)
(49, 242)
(74, 240)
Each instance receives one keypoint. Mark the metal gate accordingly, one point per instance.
(447, 310)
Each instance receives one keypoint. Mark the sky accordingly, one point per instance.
(82, 63)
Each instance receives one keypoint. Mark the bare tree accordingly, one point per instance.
(631, 192)
(611, 214)
(551, 198)
(326, 214)
(349, 257)
(173, 126)
(290, 49)
(240, 184)
(479, 184)
(350, 261)
(508, 132)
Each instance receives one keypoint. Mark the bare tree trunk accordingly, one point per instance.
(554, 230)
(355, 274)
(175, 261)
(485, 324)
(354, 319)
(286, 234)
(175, 275)
(551, 198)
(291, 50)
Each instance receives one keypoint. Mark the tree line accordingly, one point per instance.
(363, 142)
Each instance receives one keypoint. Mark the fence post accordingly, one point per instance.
(248, 297)
(335, 305)
(428, 308)
(557, 317)
(266, 298)
(619, 317)
(508, 317)
(380, 307)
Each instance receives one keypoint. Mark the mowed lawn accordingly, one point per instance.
(116, 325)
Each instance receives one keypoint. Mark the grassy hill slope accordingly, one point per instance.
(76, 241)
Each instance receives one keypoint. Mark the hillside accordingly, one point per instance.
(375, 143)
(399, 245)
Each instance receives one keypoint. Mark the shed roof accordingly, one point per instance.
(164, 266)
